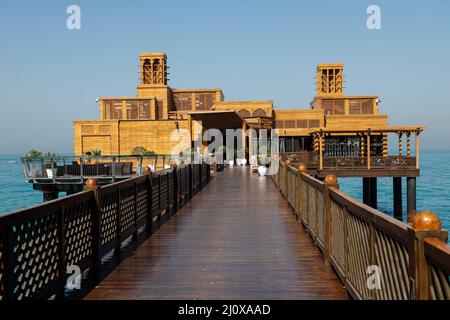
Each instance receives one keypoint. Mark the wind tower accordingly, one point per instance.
(330, 80)
(153, 81)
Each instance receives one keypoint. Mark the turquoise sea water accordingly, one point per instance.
(433, 187)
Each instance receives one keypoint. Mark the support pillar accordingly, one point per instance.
(366, 191)
(49, 195)
(373, 193)
(398, 209)
(411, 198)
(370, 192)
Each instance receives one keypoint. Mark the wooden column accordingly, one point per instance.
(417, 150)
(411, 198)
(400, 143)
(368, 150)
(250, 142)
(124, 109)
(398, 209)
(362, 146)
(385, 145)
(244, 129)
(320, 152)
(408, 144)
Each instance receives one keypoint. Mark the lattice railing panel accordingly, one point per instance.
(36, 259)
(312, 218)
(393, 259)
(142, 201)
(338, 235)
(358, 255)
(78, 232)
(108, 217)
(127, 208)
(320, 216)
(439, 284)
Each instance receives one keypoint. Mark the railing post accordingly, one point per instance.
(426, 224)
(92, 185)
(330, 182)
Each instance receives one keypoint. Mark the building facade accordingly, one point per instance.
(149, 118)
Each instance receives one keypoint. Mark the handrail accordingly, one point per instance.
(356, 239)
(40, 245)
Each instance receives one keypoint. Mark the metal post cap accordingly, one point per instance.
(301, 168)
(146, 170)
(331, 179)
(91, 182)
(427, 221)
(288, 162)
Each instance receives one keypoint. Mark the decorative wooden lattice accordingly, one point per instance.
(36, 260)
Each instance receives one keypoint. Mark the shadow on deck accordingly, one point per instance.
(236, 239)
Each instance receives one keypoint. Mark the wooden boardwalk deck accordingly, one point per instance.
(236, 239)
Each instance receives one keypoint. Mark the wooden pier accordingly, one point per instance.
(182, 233)
(236, 239)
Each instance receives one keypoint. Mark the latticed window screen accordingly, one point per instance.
(183, 101)
(204, 101)
(361, 106)
(289, 124)
(314, 123)
(333, 106)
(113, 110)
(302, 123)
(160, 109)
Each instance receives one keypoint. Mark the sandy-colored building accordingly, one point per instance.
(149, 118)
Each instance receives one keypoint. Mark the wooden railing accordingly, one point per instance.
(311, 159)
(39, 245)
(388, 162)
(353, 238)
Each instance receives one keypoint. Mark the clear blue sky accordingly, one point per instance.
(50, 76)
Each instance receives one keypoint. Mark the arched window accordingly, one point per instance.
(244, 113)
(259, 113)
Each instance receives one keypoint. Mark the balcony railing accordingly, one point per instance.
(311, 160)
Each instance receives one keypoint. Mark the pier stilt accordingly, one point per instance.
(411, 197)
(50, 195)
(373, 193)
(370, 192)
(398, 210)
(366, 191)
